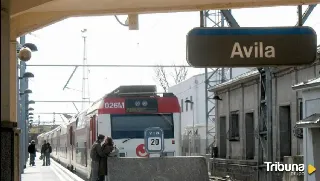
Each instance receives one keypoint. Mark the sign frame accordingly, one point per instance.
(251, 47)
(153, 131)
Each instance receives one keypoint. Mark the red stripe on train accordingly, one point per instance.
(117, 105)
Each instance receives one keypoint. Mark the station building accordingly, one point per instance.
(193, 89)
(237, 115)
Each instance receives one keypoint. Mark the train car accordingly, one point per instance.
(40, 141)
(123, 114)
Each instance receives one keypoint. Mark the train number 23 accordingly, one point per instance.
(111, 105)
(155, 141)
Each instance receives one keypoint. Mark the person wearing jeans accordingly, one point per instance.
(32, 152)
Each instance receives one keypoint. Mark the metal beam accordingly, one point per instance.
(120, 66)
(229, 18)
(70, 77)
(53, 113)
(216, 19)
(306, 14)
(62, 101)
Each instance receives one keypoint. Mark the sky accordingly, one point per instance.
(160, 40)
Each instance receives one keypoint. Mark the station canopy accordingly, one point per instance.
(27, 16)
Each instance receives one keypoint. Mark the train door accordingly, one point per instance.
(71, 139)
(93, 129)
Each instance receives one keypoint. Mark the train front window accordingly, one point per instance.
(133, 125)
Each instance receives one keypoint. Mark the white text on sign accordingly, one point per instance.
(115, 105)
(258, 51)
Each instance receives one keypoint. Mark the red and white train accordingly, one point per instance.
(123, 114)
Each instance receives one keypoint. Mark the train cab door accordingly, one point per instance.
(71, 139)
(93, 129)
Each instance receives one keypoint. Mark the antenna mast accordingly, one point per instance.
(85, 71)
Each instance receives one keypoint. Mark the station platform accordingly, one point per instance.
(54, 172)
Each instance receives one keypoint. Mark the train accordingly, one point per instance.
(123, 114)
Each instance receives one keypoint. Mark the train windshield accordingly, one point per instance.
(133, 125)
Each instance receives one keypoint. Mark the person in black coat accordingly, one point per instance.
(32, 152)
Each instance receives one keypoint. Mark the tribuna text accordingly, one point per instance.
(277, 166)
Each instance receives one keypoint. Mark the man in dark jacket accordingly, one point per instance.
(107, 148)
(43, 148)
(32, 152)
(96, 154)
(45, 153)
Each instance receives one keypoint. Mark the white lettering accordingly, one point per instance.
(284, 167)
(247, 52)
(268, 165)
(236, 50)
(113, 105)
(301, 167)
(259, 51)
(270, 52)
(280, 167)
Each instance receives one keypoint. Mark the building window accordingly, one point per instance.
(300, 109)
(191, 106)
(187, 105)
(234, 126)
(181, 106)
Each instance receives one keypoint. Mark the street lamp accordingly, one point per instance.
(27, 91)
(193, 131)
(30, 109)
(31, 102)
(217, 98)
(27, 75)
(24, 53)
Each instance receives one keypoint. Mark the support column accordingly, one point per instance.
(9, 133)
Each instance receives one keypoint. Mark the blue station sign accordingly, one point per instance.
(251, 47)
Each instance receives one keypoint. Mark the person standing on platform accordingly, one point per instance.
(96, 154)
(107, 148)
(43, 149)
(47, 153)
(32, 152)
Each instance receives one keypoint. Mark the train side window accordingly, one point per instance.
(77, 122)
(71, 135)
(85, 154)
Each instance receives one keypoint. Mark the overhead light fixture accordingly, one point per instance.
(31, 46)
(188, 101)
(27, 75)
(217, 98)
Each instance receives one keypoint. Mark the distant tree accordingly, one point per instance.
(168, 77)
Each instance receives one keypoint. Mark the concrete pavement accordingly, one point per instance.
(54, 172)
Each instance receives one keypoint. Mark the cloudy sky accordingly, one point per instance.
(160, 40)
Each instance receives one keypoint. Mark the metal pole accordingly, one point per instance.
(23, 109)
(269, 120)
(193, 132)
(27, 119)
(19, 119)
(84, 70)
(300, 23)
(101, 65)
(62, 101)
(203, 24)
